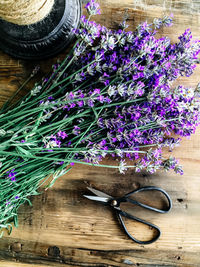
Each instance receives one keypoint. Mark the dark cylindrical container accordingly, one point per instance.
(45, 38)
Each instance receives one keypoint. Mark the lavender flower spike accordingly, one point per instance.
(93, 7)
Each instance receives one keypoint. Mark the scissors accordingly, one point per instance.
(114, 203)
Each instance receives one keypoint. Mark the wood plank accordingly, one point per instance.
(64, 229)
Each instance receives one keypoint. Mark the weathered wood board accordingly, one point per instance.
(64, 229)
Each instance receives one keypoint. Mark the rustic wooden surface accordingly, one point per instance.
(64, 229)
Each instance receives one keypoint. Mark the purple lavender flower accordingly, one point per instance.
(8, 202)
(76, 130)
(93, 8)
(166, 21)
(12, 175)
(61, 134)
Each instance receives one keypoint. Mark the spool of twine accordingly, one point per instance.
(25, 12)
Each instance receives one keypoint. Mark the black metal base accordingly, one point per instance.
(45, 38)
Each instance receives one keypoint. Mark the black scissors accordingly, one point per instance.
(114, 203)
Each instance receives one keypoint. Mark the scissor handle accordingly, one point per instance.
(147, 188)
(129, 216)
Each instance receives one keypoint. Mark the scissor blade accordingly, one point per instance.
(100, 199)
(98, 193)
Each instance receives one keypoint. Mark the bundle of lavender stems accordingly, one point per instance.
(112, 95)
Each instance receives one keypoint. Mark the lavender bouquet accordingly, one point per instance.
(113, 95)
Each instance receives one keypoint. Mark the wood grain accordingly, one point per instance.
(64, 229)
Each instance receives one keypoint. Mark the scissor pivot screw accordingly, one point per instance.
(114, 203)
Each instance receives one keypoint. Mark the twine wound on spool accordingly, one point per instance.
(25, 12)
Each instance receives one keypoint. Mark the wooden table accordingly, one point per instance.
(64, 229)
